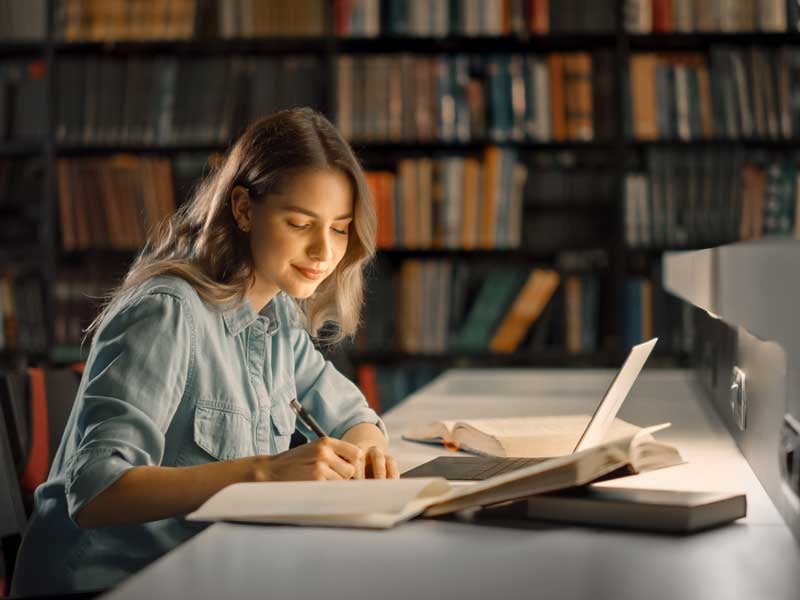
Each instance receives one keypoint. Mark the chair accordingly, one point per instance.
(12, 512)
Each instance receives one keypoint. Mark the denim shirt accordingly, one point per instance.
(171, 380)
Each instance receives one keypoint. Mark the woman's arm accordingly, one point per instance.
(150, 493)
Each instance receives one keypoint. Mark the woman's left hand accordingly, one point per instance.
(377, 464)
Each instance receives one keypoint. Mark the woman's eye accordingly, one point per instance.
(296, 226)
(340, 231)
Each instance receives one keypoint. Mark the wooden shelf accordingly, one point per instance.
(196, 47)
(477, 44)
(770, 144)
(20, 149)
(21, 48)
(360, 147)
(702, 41)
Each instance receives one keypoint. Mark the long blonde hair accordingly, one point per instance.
(202, 244)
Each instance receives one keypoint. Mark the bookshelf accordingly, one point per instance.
(616, 154)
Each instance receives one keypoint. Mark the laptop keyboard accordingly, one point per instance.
(467, 468)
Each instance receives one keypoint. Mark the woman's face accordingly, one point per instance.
(299, 236)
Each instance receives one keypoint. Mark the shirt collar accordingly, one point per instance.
(238, 316)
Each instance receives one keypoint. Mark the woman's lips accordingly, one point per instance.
(309, 274)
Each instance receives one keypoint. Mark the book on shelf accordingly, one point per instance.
(709, 16)
(730, 94)
(436, 19)
(710, 197)
(461, 97)
(23, 326)
(21, 196)
(116, 20)
(383, 503)
(531, 437)
(448, 306)
(23, 20)
(452, 202)
(175, 100)
(112, 203)
(23, 101)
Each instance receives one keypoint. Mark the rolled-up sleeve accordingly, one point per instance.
(142, 362)
(330, 397)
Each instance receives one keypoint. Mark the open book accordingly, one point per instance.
(530, 437)
(382, 503)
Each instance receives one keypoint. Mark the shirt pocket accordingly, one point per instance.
(225, 432)
(282, 416)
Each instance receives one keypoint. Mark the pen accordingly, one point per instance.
(307, 419)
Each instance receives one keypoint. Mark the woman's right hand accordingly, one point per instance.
(324, 458)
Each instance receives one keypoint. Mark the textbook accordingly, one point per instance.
(628, 508)
(382, 503)
(531, 437)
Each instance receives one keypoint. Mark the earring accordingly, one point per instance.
(244, 228)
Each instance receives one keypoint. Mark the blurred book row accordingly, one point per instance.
(169, 100)
(21, 191)
(705, 16)
(442, 18)
(112, 203)
(385, 386)
(82, 20)
(22, 100)
(551, 97)
(484, 201)
(731, 93)
(453, 202)
(22, 323)
(708, 198)
(445, 306)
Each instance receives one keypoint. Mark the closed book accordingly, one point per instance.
(630, 508)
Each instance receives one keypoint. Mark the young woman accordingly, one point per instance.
(198, 353)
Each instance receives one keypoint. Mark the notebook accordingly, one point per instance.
(628, 508)
(382, 503)
(504, 445)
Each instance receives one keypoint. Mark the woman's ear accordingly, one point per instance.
(242, 208)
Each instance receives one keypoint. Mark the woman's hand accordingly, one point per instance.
(377, 464)
(325, 458)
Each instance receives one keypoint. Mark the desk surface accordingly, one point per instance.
(755, 558)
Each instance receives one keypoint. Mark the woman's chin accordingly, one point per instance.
(299, 290)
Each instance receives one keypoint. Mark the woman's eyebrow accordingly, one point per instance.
(310, 213)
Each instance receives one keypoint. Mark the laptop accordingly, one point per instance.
(478, 468)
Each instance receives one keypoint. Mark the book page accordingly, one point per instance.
(317, 498)
(430, 431)
(544, 436)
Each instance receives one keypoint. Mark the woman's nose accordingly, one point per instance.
(321, 249)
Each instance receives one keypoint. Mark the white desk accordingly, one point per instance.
(754, 558)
